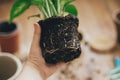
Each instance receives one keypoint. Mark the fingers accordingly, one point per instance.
(36, 37)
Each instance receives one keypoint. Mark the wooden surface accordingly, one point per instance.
(98, 29)
(100, 32)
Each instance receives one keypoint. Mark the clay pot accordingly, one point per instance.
(9, 37)
(116, 17)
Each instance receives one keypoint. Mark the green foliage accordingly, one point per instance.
(18, 8)
(49, 8)
(71, 9)
(39, 3)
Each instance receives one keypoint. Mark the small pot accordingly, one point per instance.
(10, 66)
(116, 17)
(9, 37)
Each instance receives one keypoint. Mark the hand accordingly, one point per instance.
(36, 60)
(115, 73)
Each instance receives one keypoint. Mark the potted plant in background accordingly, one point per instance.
(60, 40)
(9, 37)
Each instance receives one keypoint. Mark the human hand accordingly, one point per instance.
(36, 60)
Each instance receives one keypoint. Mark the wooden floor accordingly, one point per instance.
(98, 29)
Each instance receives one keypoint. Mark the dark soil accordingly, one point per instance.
(60, 40)
(6, 28)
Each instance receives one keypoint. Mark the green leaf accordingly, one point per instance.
(48, 7)
(38, 3)
(18, 8)
(71, 9)
(64, 3)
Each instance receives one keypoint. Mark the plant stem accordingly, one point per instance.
(52, 8)
(47, 8)
(58, 7)
(44, 12)
(51, 11)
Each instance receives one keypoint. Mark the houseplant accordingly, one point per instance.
(60, 40)
(9, 37)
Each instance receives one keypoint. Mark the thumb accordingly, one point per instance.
(37, 34)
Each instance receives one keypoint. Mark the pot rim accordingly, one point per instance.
(16, 60)
(11, 33)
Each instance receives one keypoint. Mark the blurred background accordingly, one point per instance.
(99, 25)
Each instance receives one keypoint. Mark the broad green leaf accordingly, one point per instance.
(38, 3)
(71, 9)
(18, 8)
(48, 7)
(64, 3)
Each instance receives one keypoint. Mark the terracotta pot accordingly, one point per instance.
(116, 17)
(9, 37)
